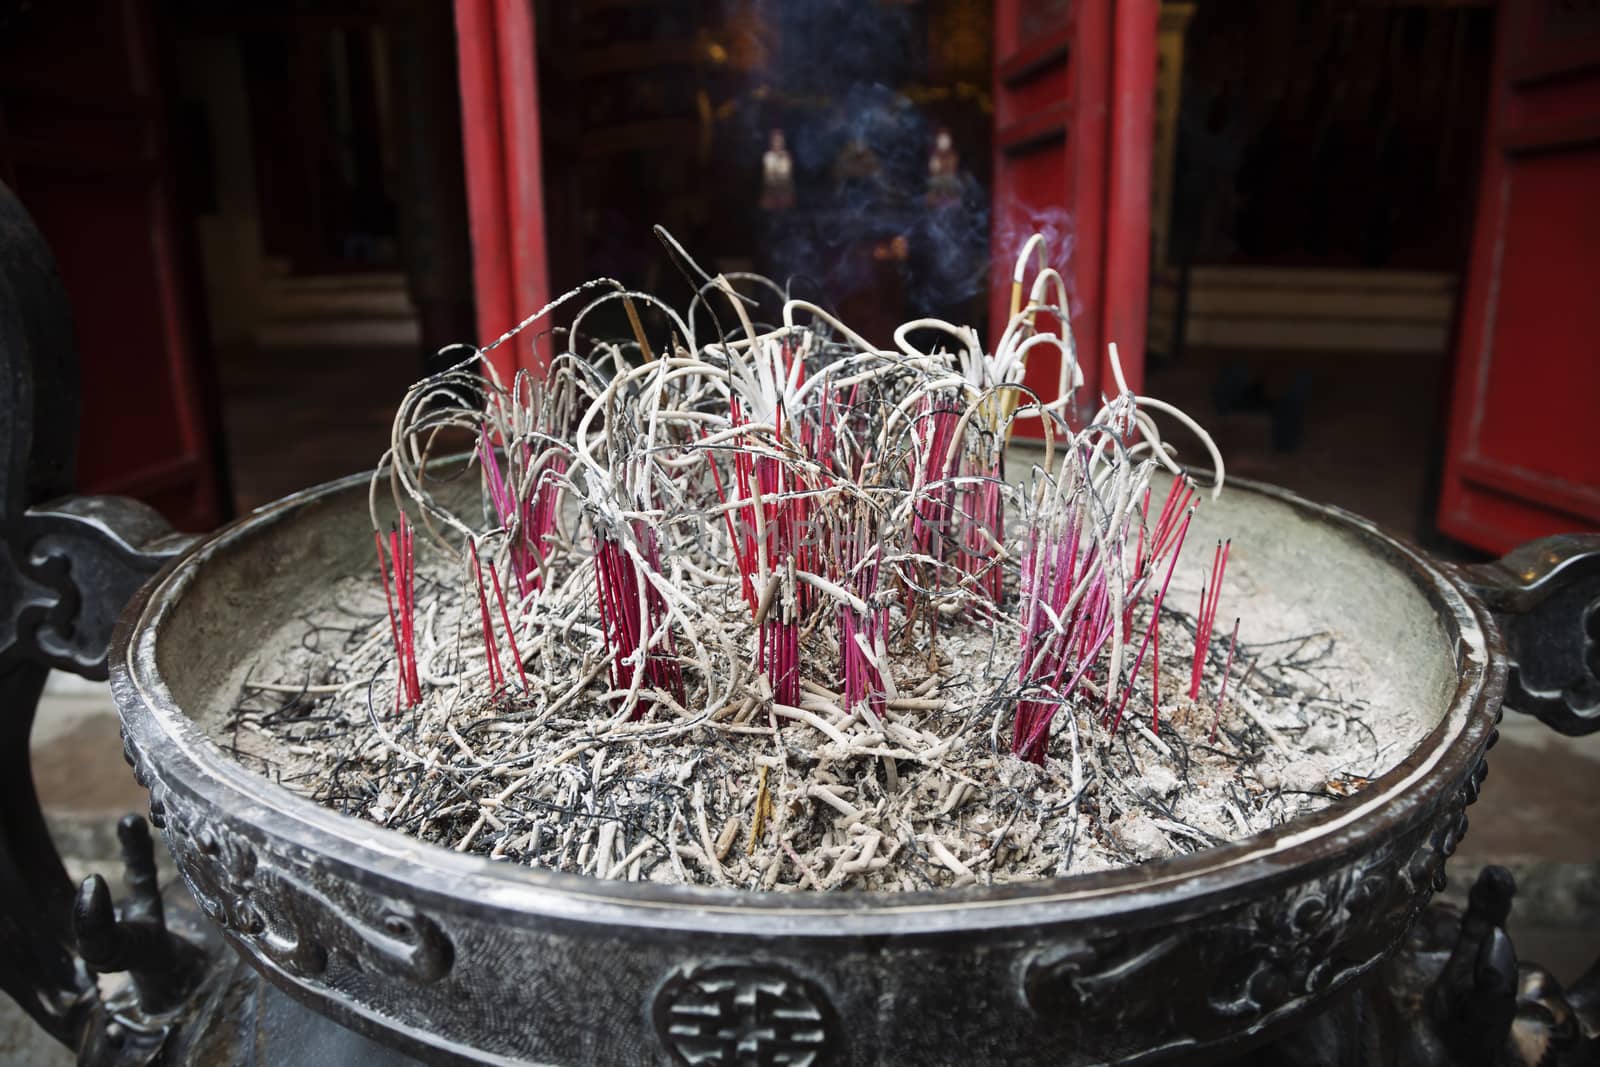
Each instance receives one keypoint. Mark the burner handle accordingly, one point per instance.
(1546, 597)
(68, 566)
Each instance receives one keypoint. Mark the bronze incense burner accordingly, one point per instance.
(402, 949)
(419, 945)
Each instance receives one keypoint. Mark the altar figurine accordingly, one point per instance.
(777, 175)
(944, 185)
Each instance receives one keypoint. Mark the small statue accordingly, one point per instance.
(777, 175)
(944, 183)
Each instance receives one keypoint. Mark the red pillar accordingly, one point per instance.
(1127, 250)
(1074, 88)
(505, 176)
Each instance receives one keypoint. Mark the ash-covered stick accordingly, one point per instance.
(1155, 621)
(1208, 617)
(511, 633)
(402, 608)
(394, 627)
(501, 497)
(409, 600)
(491, 654)
(1222, 694)
(1155, 670)
(1200, 637)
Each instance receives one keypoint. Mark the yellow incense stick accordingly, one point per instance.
(638, 328)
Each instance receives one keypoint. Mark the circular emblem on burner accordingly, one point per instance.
(756, 1014)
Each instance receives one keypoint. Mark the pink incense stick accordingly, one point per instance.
(1155, 619)
(511, 634)
(1216, 718)
(491, 654)
(400, 681)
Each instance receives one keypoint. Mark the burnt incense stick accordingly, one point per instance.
(782, 536)
(1222, 692)
(490, 652)
(511, 633)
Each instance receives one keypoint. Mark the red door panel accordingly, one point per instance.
(1521, 461)
(1074, 97)
(83, 144)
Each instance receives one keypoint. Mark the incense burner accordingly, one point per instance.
(448, 955)
(389, 948)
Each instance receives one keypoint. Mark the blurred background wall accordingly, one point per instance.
(271, 216)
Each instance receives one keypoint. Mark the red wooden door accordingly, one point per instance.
(83, 142)
(1522, 461)
(1074, 120)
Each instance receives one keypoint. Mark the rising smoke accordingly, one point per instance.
(830, 76)
(860, 152)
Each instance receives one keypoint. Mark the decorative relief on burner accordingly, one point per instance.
(1333, 929)
(282, 913)
(1320, 933)
(1083, 980)
(1189, 983)
(756, 1014)
(1192, 982)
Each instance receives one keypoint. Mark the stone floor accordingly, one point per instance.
(296, 417)
(1369, 433)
